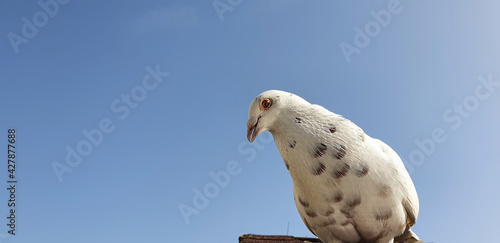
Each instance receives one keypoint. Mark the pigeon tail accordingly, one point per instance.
(407, 236)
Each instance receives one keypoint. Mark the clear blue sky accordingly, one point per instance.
(413, 79)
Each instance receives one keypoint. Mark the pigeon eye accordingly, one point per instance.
(266, 103)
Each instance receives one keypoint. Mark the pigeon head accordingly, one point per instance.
(267, 108)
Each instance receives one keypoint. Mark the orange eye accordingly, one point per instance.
(266, 103)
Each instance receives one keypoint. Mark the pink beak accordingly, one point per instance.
(252, 129)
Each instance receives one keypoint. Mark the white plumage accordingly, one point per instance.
(348, 187)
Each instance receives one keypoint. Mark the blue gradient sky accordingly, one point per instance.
(408, 82)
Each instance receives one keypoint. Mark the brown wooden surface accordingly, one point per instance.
(275, 238)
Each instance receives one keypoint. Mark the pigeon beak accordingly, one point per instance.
(252, 129)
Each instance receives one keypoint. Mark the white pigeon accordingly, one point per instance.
(348, 187)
